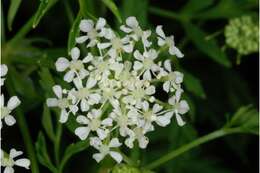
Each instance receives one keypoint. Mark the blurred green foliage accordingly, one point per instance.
(216, 87)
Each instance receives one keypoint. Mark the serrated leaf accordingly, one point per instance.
(47, 122)
(12, 11)
(42, 153)
(193, 85)
(44, 6)
(113, 8)
(209, 47)
(74, 32)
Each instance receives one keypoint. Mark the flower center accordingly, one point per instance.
(77, 65)
(7, 162)
(116, 43)
(63, 103)
(147, 63)
(82, 93)
(149, 115)
(4, 112)
(94, 124)
(138, 31)
(138, 93)
(92, 34)
(104, 149)
(169, 41)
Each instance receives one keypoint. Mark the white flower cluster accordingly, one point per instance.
(114, 86)
(7, 160)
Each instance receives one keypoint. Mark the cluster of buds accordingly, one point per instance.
(9, 160)
(242, 35)
(114, 86)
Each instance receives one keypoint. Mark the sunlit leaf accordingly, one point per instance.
(12, 11)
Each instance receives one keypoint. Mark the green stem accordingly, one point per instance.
(69, 12)
(164, 13)
(57, 143)
(24, 131)
(171, 155)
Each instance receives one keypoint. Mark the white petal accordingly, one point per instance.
(95, 142)
(100, 23)
(13, 102)
(81, 39)
(14, 153)
(159, 31)
(9, 170)
(62, 64)
(138, 55)
(23, 163)
(86, 25)
(183, 107)
(94, 99)
(52, 102)
(107, 122)
(150, 90)
(166, 86)
(3, 70)
(82, 132)
(57, 90)
(161, 42)
(125, 29)
(78, 83)
(147, 75)
(63, 116)
(167, 65)
(69, 76)
(98, 157)
(102, 134)
(2, 100)
(91, 83)
(82, 119)
(157, 108)
(103, 45)
(172, 101)
(84, 105)
(116, 156)
(175, 51)
(143, 141)
(137, 65)
(180, 122)
(145, 106)
(132, 22)
(165, 119)
(9, 120)
(88, 58)
(74, 109)
(75, 52)
(114, 143)
(128, 48)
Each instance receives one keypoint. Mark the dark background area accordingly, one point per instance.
(226, 90)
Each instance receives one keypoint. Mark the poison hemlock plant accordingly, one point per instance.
(114, 86)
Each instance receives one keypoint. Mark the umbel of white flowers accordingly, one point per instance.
(8, 160)
(114, 87)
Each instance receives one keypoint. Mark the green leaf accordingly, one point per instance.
(74, 32)
(209, 47)
(14, 6)
(193, 85)
(140, 11)
(247, 119)
(87, 8)
(113, 8)
(224, 9)
(47, 122)
(192, 6)
(44, 6)
(46, 81)
(73, 149)
(42, 153)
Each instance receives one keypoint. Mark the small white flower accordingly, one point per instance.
(116, 45)
(93, 122)
(76, 66)
(94, 31)
(105, 149)
(180, 107)
(3, 72)
(132, 27)
(146, 63)
(139, 135)
(169, 41)
(9, 161)
(12, 103)
(87, 96)
(62, 102)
